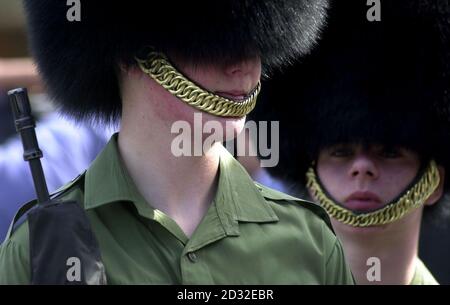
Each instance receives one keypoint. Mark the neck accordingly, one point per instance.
(181, 187)
(395, 245)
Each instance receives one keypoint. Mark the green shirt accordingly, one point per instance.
(249, 235)
(422, 276)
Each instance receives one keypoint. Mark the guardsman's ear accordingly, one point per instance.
(437, 194)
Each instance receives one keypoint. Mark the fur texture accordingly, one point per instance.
(79, 60)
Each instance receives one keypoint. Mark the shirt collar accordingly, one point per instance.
(107, 179)
(237, 197)
(239, 191)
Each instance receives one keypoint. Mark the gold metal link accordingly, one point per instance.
(158, 67)
(412, 199)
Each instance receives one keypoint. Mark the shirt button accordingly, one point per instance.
(192, 257)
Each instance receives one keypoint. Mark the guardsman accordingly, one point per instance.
(366, 132)
(160, 218)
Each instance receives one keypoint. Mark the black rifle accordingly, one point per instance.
(25, 125)
(63, 248)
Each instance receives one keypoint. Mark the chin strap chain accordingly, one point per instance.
(158, 67)
(412, 199)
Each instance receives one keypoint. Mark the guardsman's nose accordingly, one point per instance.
(251, 66)
(363, 167)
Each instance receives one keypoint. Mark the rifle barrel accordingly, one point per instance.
(25, 126)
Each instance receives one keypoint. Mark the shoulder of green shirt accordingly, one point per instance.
(312, 218)
(62, 193)
(277, 196)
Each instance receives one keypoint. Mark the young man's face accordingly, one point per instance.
(366, 179)
(233, 81)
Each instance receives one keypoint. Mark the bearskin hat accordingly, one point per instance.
(79, 60)
(369, 82)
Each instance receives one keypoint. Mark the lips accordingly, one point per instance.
(363, 202)
(237, 96)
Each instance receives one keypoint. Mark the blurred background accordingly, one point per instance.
(12, 29)
(68, 147)
(16, 67)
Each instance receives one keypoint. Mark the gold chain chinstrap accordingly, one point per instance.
(412, 199)
(158, 67)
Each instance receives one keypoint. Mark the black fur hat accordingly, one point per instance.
(79, 60)
(385, 82)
